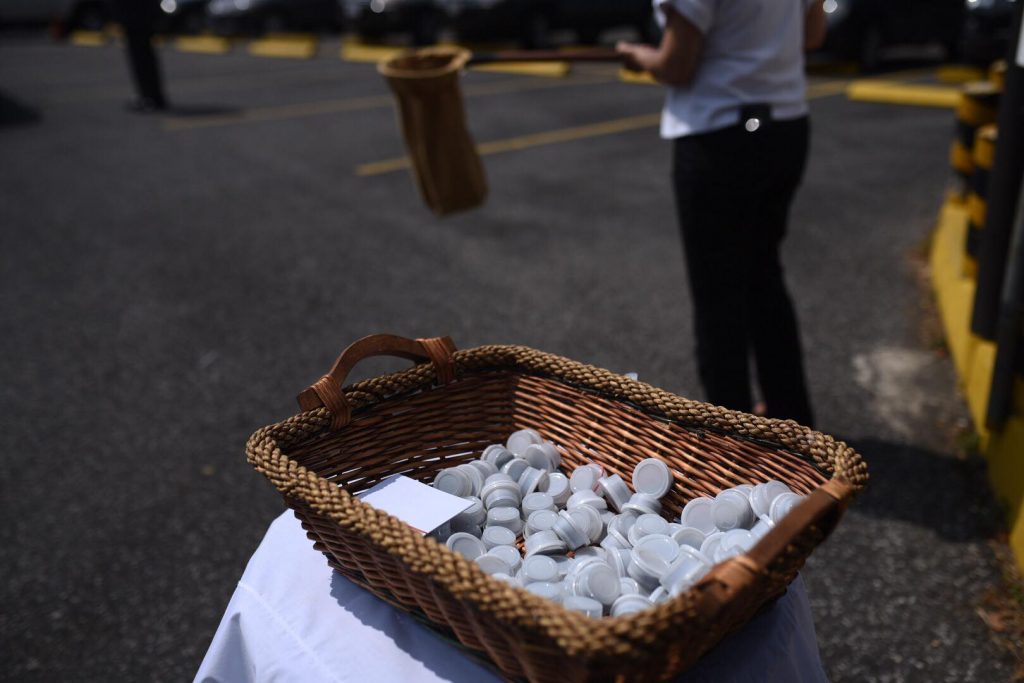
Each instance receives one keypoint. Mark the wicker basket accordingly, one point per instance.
(450, 406)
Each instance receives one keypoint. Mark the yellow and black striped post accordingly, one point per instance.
(979, 104)
(982, 157)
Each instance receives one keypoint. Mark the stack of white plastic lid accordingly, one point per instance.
(586, 539)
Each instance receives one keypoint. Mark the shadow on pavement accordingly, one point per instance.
(14, 113)
(949, 495)
(185, 111)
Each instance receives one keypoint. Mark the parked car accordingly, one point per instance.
(862, 29)
(247, 17)
(183, 16)
(987, 30)
(69, 14)
(532, 21)
(373, 19)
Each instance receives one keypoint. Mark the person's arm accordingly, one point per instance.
(674, 61)
(814, 26)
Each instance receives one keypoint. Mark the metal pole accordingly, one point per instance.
(1009, 332)
(1003, 191)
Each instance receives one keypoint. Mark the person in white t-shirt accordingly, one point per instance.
(737, 113)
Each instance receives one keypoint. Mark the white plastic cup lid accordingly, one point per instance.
(520, 440)
(509, 554)
(615, 491)
(651, 524)
(467, 545)
(642, 504)
(587, 497)
(569, 532)
(710, 545)
(506, 578)
(588, 520)
(515, 468)
(539, 568)
(541, 520)
(745, 489)
(492, 564)
(558, 488)
(598, 581)
(619, 560)
(591, 551)
(782, 505)
(538, 457)
(629, 604)
(659, 595)
(697, 513)
(498, 535)
(475, 512)
(731, 510)
(644, 574)
(553, 455)
(652, 476)
(505, 516)
(664, 546)
(475, 476)
(585, 477)
(650, 561)
(552, 590)
(684, 572)
(483, 467)
(735, 542)
(531, 480)
(579, 603)
(628, 586)
(536, 502)
(690, 536)
(497, 455)
(544, 543)
(454, 482)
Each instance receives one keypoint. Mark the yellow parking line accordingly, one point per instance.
(293, 111)
(356, 51)
(960, 73)
(88, 38)
(550, 137)
(636, 77)
(288, 46)
(904, 93)
(210, 45)
(541, 69)
(569, 134)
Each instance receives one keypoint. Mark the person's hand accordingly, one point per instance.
(629, 55)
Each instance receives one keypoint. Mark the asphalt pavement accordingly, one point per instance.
(169, 283)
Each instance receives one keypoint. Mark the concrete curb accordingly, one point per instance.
(974, 359)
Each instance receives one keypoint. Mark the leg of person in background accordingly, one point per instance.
(774, 331)
(709, 179)
(138, 18)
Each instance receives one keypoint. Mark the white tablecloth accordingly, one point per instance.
(293, 618)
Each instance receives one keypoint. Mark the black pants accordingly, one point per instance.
(733, 191)
(138, 18)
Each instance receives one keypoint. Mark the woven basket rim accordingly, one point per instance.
(576, 634)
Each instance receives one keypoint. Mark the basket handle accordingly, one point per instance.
(822, 508)
(327, 391)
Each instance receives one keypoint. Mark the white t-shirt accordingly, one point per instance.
(753, 53)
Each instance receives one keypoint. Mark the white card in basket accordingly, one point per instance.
(422, 507)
